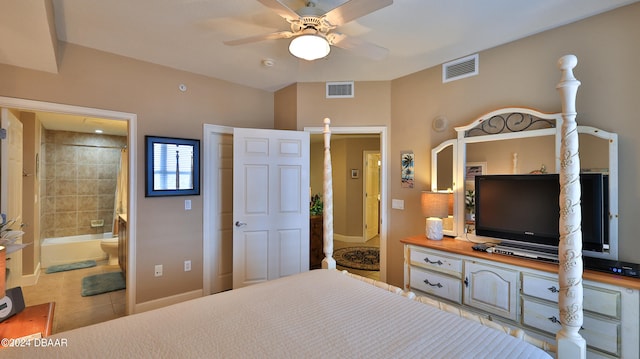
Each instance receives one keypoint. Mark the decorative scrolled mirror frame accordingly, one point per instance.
(520, 123)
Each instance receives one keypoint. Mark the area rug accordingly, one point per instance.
(70, 266)
(102, 283)
(365, 258)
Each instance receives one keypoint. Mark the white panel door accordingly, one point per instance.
(11, 187)
(270, 204)
(372, 194)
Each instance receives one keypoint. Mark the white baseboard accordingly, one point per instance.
(350, 239)
(30, 279)
(163, 302)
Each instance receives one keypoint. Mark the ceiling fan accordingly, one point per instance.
(312, 29)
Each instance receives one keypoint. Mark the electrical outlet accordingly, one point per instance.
(187, 266)
(158, 270)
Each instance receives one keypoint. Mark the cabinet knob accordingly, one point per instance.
(553, 289)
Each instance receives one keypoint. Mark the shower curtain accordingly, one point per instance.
(121, 189)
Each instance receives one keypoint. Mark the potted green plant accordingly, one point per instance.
(315, 206)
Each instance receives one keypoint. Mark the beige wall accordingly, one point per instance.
(369, 107)
(285, 108)
(524, 73)
(532, 154)
(166, 233)
(346, 154)
(353, 196)
(316, 164)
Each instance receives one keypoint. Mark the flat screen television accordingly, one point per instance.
(525, 208)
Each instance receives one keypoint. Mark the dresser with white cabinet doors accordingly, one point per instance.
(523, 293)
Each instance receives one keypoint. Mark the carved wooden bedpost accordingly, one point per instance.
(327, 221)
(570, 342)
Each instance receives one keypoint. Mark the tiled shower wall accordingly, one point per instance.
(80, 172)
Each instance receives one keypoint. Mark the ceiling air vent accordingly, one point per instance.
(340, 89)
(459, 69)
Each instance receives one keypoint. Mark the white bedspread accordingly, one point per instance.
(316, 314)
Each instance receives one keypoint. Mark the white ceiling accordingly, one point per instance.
(189, 34)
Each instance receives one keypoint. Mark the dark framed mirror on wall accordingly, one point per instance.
(172, 166)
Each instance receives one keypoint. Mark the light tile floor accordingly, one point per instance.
(73, 310)
(373, 242)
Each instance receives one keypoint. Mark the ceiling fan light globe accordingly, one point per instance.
(309, 47)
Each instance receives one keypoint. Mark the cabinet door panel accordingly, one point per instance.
(491, 289)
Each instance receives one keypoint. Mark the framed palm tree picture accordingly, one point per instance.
(407, 176)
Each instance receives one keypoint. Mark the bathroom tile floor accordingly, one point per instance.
(73, 310)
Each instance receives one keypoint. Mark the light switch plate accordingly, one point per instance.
(397, 204)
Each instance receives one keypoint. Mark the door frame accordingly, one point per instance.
(208, 229)
(32, 105)
(384, 179)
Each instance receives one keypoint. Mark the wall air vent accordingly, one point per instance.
(342, 89)
(460, 68)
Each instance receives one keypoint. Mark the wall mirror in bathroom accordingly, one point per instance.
(172, 166)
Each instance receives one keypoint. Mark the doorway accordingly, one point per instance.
(254, 198)
(130, 120)
(380, 133)
(218, 204)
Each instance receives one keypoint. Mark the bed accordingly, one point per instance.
(328, 313)
(320, 313)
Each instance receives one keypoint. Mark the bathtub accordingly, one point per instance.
(63, 250)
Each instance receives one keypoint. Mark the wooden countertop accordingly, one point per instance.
(33, 319)
(463, 247)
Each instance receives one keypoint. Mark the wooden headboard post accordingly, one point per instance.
(327, 220)
(570, 343)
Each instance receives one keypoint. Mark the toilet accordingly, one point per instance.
(110, 247)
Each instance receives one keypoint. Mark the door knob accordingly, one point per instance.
(240, 224)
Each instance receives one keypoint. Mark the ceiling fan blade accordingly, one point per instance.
(250, 39)
(359, 47)
(354, 9)
(280, 9)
